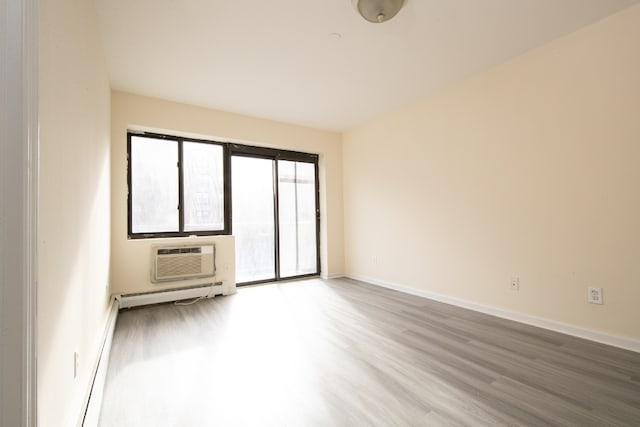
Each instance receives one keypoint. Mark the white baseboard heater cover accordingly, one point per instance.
(169, 295)
(171, 263)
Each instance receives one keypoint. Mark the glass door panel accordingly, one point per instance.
(297, 218)
(253, 218)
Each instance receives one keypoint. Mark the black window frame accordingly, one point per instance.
(181, 232)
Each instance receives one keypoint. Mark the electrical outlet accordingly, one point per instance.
(515, 283)
(76, 364)
(594, 296)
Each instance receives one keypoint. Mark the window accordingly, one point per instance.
(181, 187)
(177, 187)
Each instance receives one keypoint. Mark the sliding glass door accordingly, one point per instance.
(275, 217)
(253, 215)
(297, 218)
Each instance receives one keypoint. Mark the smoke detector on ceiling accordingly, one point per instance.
(378, 11)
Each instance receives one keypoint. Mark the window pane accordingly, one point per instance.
(203, 186)
(154, 185)
(297, 216)
(253, 218)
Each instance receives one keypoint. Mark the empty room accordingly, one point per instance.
(320, 213)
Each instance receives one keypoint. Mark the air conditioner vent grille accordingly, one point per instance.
(174, 266)
(175, 251)
(182, 262)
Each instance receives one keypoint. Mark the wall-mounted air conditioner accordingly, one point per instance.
(171, 263)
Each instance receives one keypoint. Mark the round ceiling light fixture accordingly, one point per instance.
(378, 11)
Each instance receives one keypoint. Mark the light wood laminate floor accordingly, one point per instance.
(344, 353)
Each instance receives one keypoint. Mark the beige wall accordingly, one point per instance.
(73, 246)
(130, 259)
(531, 169)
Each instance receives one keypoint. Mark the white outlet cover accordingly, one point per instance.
(594, 295)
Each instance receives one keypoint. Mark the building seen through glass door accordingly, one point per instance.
(275, 216)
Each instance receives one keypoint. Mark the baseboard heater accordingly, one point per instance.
(179, 294)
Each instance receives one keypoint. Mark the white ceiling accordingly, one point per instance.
(317, 62)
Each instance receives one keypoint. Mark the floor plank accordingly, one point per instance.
(345, 353)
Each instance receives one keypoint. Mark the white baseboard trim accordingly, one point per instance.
(613, 340)
(93, 405)
(332, 276)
